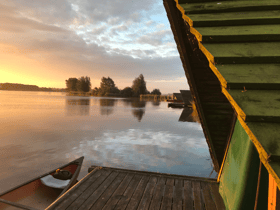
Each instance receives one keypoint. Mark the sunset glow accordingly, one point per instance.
(46, 43)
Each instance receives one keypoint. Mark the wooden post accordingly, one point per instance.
(273, 195)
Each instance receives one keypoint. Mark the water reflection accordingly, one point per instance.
(139, 110)
(106, 106)
(158, 151)
(79, 106)
(156, 103)
(188, 115)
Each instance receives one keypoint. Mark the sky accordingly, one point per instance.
(46, 42)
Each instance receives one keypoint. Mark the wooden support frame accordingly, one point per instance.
(273, 195)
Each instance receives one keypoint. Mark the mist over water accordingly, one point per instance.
(40, 131)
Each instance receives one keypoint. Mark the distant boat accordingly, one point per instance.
(41, 191)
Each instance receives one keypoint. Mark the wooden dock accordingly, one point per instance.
(120, 189)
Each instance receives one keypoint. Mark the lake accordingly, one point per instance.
(43, 130)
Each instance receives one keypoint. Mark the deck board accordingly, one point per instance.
(110, 188)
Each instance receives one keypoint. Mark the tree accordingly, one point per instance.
(127, 92)
(156, 92)
(84, 84)
(139, 86)
(107, 87)
(71, 84)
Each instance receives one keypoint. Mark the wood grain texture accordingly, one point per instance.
(111, 189)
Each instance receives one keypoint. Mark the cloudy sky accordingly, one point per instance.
(46, 42)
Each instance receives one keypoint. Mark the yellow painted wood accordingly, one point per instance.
(196, 33)
(219, 75)
(185, 17)
(208, 55)
(234, 104)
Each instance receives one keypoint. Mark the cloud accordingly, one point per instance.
(94, 37)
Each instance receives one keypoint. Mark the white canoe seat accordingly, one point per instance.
(50, 181)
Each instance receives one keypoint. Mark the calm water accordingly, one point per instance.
(41, 130)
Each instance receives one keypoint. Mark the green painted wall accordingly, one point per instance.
(238, 182)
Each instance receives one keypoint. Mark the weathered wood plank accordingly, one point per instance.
(79, 201)
(238, 33)
(267, 135)
(100, 203)
(251, 76)
(147, 195)
(158, 194)
(74, 194)
(88, 203)
(233, 19)
(244, 53)
(188, 203)
(207, 197)
(178, 195)
(137, 195)
(230, 6)
(168, 194)
(214, 190)
(118, 194)
(198, 202)
(128, 193)
(257, 105)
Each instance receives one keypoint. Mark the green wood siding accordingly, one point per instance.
(238, 183)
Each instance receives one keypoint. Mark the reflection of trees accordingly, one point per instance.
(138, 113)
(77, 106)
(138, 104)
(156, 103)
(106, 105)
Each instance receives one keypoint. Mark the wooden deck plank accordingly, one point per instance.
(214, 189)
(208, 200)
(99, 204)
(128, 192)
(198, 202)
(98, 192)
(148, 193)
(115, 189)
(158, 194)
(137, 195)
(188, 196)
(178, 195)
(82, 198)
(112, 202)
(168, 194)
(72, 195)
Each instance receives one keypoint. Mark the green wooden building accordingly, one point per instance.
(230, 51)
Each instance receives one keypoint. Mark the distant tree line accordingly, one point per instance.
(82, 84)
(22, 87)
(109, 88)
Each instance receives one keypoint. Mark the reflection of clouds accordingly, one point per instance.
(148, 150)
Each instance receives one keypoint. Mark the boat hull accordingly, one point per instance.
(37, 195)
